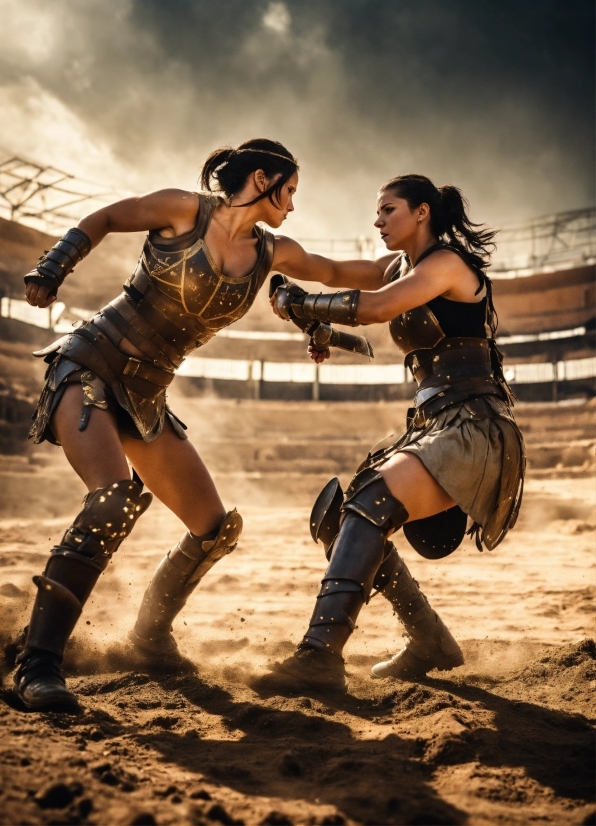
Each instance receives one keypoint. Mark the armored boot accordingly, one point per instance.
(74, 566)
(430, 644)
(369, 512)
(178, 574)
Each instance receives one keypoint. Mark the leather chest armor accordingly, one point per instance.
(448, 369)
(175, 301)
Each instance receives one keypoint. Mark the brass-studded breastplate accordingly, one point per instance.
(191, 279)
(177, 298)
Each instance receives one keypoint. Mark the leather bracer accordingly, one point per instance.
(333, 308)
(55, 264)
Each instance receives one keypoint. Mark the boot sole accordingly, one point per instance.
(296, 681)
(404, 673)
(64, 706)
(170, 660)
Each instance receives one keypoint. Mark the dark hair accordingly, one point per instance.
(231, 167)
(448, 217)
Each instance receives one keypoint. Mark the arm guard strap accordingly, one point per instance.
(55, 264)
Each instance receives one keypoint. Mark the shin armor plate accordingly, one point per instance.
(107, 517)
(178, 574)
(369, 512)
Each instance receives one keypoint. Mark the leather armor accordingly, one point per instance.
(174, 302)
(448, 370)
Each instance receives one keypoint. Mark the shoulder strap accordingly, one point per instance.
(438, 246)
(207, 204)
(266, 244)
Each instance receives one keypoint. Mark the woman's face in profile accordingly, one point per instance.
(395, 220)
(276, 213)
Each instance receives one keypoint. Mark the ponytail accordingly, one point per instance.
(226, 169)
(449, 221)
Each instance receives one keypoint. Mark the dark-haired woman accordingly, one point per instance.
(104, 400)
(462, 454)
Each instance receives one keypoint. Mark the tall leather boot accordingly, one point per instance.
(429, 643)
(74, 566)
(176, 577)
(369, 512)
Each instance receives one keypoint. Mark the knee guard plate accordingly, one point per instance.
(325, 516)
(195, 556)
(108, 516)
(369, 496)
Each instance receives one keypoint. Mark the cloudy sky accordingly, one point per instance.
(495, 96)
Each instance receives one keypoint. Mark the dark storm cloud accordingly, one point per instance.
(493, 95)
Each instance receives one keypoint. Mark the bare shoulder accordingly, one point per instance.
(285, 249)
(443, 261)
(181, 198)
(448, 270)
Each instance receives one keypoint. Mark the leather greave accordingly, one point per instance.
(358, 552)
(107, 517)
(179, 573)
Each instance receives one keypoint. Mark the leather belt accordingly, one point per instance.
(112, 364)
(459, 391)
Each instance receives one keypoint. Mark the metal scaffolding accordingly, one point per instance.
(562, 239)
(47, 198)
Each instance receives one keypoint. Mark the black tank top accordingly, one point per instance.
(459, 318)
(456, 318)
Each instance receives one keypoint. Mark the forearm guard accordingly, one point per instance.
(55, 264)
(331, 308)
(289, 302)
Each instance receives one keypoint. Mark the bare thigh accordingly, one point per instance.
(95, 453)
(411, 483)
(173, 470)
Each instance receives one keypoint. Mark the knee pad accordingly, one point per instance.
(195, 555)
(108, 516)
(369, 496)
(325, 515)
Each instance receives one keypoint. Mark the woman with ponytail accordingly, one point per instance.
(104, 400)
(462, 455)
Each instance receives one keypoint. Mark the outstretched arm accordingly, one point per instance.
(292, 260)
(445, 275)
(172, 210)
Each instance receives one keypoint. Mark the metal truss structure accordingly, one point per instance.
(51, 200)
(47, 198)
(560, 240)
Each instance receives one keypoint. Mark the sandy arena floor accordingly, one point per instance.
(507, 738)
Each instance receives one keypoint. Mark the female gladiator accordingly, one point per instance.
(104, 400)
(461, 455)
